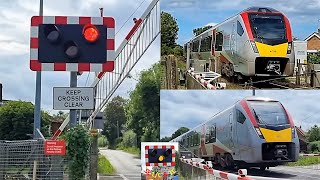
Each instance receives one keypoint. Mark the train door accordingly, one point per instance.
(233, 39)
(213, 60)
(203, 140)
(231, 125)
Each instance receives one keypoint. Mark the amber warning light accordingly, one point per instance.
(90, 33)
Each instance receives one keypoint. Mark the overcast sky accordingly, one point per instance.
(19, 81)
(192, 107)
(191, 14)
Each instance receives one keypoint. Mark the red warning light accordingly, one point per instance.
(90, 33)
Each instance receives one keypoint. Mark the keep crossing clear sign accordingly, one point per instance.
(66, 98)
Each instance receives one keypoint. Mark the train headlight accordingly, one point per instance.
(254, 46)
(259, 133)
(289, 48)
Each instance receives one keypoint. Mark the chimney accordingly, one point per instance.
(0, 93)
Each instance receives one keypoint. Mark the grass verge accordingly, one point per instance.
(104, 166)
(131, 150)
(305, 161)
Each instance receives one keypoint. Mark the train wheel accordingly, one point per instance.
(222, 161)
(229, 161)
(217, 159)
(224, 69)
(230, 70)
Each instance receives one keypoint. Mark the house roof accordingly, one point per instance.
(311, 35)
(300, 131)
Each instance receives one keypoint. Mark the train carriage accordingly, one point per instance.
(255, 42)
(254, 132)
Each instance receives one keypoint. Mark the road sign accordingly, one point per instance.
(55, 147)
(66, 98)
(69, 43)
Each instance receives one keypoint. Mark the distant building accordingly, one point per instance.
(313, 42)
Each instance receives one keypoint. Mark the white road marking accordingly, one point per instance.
(123, 177)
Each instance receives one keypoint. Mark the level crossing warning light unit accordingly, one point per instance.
(69, 43)
(160, 155)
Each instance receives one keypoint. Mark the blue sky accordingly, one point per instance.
(190, 14)
(19, 81)
(189, 108)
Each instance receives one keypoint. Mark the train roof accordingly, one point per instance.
(250, 9)
(250, 98)
(260, 9)
(255, 98)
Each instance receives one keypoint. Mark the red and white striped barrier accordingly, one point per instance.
(218, 174)
(200, 79)
(134, 29)
(309, 154)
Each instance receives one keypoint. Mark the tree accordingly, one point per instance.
(143, 110)
(314, 58)
(165, 139)
(314, 134)
(16, 121)
(129, 139)
(169, 30)
(178, 132)
(200, 30)
(115, 119)
(60, 115)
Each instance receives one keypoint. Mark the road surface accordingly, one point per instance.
(127, 165)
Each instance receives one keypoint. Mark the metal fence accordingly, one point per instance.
(26, 160)
(190, 172)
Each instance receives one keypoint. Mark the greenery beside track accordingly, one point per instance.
(306, 161)
(104, 166)
(131, 150)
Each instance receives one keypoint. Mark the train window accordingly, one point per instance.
(195, 46)
(206, 44)
(207, 134)
(240, 117)
(240, 30)
(219, 41)
(212, 134)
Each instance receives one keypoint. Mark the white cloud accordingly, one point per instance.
(211, 24)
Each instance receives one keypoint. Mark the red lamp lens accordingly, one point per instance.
(90, 33)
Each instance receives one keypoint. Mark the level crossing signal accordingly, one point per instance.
(160, 155)
(68, 43)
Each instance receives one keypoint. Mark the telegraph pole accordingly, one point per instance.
(37, 109)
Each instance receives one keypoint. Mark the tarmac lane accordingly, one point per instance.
(127, 166)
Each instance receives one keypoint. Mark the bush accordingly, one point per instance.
(129, 139)
(78, 145)
(315, 147)
(102, 141)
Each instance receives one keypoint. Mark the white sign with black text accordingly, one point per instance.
(66, 98)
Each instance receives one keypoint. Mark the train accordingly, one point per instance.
(254, 132)
(257, 42)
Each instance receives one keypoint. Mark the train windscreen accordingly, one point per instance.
(269, 113)
(268, 26)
